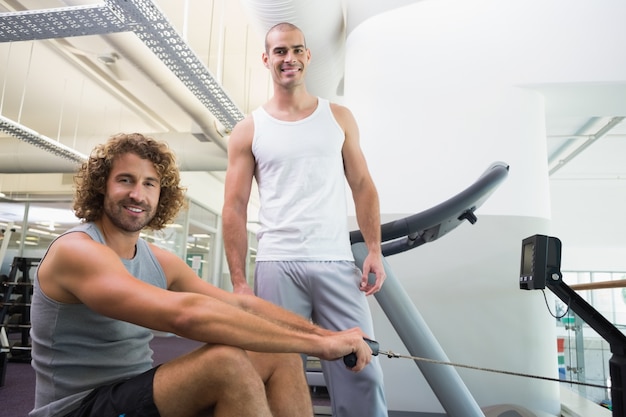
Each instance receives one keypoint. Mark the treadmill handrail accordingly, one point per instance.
(438, 220)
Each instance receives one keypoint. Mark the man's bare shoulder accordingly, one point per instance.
(338, 107)
(66, 244)
(341, 112)
(73, 249)
(68, 256)
(244, 126)
(344, 117)
(242, 133)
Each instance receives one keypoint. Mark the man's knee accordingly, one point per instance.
(295, 364)
(293, 361)
(212, 376)
(225, 360)
(223, 368)
(278, 366)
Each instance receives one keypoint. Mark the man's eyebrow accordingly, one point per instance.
(129, 175)
(123, 175)
(282, 48)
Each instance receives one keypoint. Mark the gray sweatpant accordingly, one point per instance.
(327, 292)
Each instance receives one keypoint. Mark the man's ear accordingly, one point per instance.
(265, 60)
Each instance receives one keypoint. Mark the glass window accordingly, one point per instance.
(191, 236)
(200, 246)
(172, 237)
(203, 216)
(200, 251)
(30, 226)
(585, 353)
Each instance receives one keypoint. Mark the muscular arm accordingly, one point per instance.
(79, 270)
(183, 279)
(365, 198)
(238, 184)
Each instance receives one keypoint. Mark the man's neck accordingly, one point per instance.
(291, 105)
(123, 243)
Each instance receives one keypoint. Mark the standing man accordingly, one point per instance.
(301, 148)
(100, 288)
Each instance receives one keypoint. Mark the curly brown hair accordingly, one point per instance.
(91, 178)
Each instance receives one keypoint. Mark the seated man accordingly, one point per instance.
(100, 288)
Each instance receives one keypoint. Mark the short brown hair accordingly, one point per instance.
(90, 180)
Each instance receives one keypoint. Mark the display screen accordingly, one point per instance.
(541, 258)
(527, 259)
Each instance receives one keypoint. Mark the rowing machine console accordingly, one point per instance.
(541, 264)
(541, 260)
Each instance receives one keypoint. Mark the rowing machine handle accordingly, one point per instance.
(350, 359)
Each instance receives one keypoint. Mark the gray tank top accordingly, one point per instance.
(75, 349)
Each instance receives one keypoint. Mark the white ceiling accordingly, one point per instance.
(61, 89)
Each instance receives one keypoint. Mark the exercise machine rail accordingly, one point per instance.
(409, 233)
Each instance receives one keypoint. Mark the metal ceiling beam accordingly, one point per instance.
(150, 25)
(153, 28)
(561, 162)
(62, 22)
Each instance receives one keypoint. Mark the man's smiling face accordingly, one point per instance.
(286, 57)
(132, 192)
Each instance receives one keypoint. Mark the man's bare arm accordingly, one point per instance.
(238, 185)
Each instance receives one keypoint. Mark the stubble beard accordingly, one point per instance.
(116, 212)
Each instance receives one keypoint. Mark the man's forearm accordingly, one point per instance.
(368, 219)
(213, 321)
(281, 316)
(236, 246)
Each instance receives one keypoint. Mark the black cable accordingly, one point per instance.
(498, 371)
(548, 306)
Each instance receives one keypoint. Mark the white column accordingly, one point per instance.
(441, 89)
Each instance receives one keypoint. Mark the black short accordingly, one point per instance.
(128, 398)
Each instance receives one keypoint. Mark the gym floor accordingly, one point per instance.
(17, 394)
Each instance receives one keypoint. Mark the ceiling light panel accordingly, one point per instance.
(30, 136)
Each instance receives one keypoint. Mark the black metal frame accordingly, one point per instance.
(610, 333)
(409, 233)
(428, 225)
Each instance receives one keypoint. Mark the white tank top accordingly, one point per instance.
(302, 187)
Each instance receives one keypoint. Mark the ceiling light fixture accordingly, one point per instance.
(30, 136)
